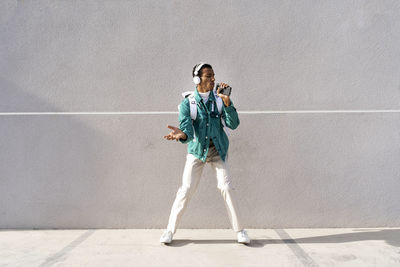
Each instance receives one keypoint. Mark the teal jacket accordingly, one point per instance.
(207, 125)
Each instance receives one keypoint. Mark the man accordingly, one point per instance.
(207, 143)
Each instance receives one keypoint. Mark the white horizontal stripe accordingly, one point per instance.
(88, 113)
(176, 112)
(321, 111)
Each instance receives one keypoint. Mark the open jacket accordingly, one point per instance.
(207, 125)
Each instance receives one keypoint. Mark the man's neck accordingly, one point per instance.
(201, 90)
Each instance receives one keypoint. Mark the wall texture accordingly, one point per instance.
(291, 168)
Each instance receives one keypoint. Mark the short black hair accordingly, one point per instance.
(205, 66)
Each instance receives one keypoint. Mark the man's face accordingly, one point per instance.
(207, 79)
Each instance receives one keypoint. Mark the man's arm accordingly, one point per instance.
(185, 121)
(185, 131)
(230, 115)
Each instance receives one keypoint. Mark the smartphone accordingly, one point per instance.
(225, 91)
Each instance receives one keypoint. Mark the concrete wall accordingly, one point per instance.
(112, 170)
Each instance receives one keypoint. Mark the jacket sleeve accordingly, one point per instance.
(185, 121)
(231, 117)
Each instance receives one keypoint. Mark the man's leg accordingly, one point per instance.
(190, 180)
(221, 170)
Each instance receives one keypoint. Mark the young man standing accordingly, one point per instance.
(207, 143)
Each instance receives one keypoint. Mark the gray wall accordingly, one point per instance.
(112, 170)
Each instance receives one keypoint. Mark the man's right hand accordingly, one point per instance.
(175, 134)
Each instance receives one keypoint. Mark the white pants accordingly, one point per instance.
(190, 180)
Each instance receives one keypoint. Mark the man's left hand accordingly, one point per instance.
(224, 98)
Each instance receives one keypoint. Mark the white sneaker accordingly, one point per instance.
(166, 237)
(242, 237)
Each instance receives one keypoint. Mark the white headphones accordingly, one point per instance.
(196, 78)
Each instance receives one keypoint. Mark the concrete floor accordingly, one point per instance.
(205, 247)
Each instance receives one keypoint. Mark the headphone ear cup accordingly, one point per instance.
(196, 79)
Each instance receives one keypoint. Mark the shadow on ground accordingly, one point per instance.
(391, 236)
